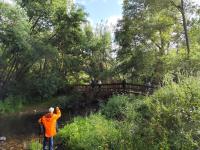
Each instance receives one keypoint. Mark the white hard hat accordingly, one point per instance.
(51, 109)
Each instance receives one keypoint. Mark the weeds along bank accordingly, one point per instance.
(168, 119)
(15, 104)
(11, 104)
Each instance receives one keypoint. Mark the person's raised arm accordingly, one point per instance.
(58, 113)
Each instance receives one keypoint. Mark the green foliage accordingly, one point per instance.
(172, 120)
(93, 132)
(168, 119)
(44, 87)
(149, 35)
(71, 101)
(127, 110)
(97, 50)
(43, 47)
(122, 107)
(11, 104)
(115, 107)
(35, 145)
(177, 62)
(15, 27)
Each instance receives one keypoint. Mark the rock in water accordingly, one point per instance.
(2, 138)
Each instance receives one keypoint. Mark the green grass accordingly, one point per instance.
(35, 145)
(11, 104)
(93, 132)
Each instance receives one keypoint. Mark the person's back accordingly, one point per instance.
(49, 122)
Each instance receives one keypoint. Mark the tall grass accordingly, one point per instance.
(11, 104)
(93, 132)
(35, 145)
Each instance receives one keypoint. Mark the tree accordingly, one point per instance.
(145, 35)
(97, 51)
(43, 46)
(14, 43)
(181, 7)
(150, 30)
(31, 50)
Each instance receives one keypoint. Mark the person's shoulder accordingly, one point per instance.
(48, 115)
(55, 115)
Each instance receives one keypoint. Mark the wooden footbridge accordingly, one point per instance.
(114, 88)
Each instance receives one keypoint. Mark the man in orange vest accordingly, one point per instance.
(49, 122)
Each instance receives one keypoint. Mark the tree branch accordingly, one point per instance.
(177, 6)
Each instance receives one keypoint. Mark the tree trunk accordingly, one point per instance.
(185, 28)
(181, 8)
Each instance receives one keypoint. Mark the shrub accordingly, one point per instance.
(35, 145)
(115, 107)
(122, 106)
(69, 102)
(168, 119)
(11, 104)
(93, 132)
(172, 117)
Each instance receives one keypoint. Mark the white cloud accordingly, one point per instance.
(84, 2)
(112, 22)
(120, 2)
(196, 1)
(7, 1)
(91, 22)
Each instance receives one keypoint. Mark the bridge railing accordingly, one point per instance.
(115, 87)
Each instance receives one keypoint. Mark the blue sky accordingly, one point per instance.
(98, 10)
(106, 10)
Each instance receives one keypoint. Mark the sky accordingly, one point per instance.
(110, 10)
(99, 10)
(102, 10)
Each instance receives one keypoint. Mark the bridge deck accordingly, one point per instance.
(115, 88)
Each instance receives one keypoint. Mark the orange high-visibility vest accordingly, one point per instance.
(49, 122)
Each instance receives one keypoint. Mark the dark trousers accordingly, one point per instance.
(45, 141)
